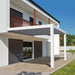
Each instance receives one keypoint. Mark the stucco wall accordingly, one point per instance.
(44, 48)
(26, 14)
(3, 51)
(48, 49)
(56, 44)
(35, 7)
(4, 15)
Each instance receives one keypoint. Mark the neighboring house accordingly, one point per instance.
(23, 21)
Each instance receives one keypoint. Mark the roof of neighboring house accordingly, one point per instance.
(44, 10)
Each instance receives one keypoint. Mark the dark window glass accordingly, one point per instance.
(40, 23)
(31, 20)
(16, 13)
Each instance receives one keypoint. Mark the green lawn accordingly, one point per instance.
(68, 51)
(69, 69)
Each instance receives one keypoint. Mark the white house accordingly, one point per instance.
(23, 21)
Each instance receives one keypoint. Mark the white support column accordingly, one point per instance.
(4, 15)
(44, 48)
(52, 45)
(65, 55)
(33, 50)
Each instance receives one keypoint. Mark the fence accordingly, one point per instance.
(68, 47)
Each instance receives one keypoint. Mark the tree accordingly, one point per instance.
(69, 40)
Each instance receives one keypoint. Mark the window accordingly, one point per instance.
(31, 19)
(16, 13)
(40, 23)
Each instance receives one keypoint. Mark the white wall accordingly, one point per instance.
(44, 48)
(48, 51)
(4, 15)
(35, 7)
(3, 51)
(56, 44)
(67, 47)
(26, 14)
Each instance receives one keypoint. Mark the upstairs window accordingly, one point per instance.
(16, 13)
(31, 19)
(40, 23)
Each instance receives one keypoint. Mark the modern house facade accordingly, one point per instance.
(23, 21)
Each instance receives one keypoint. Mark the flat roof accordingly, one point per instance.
(36, 30)
(43, 10)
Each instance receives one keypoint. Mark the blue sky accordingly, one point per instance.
(63, 10)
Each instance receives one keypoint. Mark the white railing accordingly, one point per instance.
(67, 47)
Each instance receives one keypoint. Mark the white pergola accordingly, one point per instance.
(52, 43)
(43, 30)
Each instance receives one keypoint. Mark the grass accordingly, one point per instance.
(73, 51)
(69, 69)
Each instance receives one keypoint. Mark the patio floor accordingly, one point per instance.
(37, 65)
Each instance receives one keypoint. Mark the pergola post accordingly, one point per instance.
(52, 45)
(48, 21)
(33, 50)
(34, 17)
(65, 55)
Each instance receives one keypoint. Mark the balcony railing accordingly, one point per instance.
(19, 22)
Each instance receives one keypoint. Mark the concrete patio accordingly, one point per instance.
(39, 65)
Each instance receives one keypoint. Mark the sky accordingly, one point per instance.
(62, 10)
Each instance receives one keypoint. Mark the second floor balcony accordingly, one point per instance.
(19, 22)
(20, 13)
